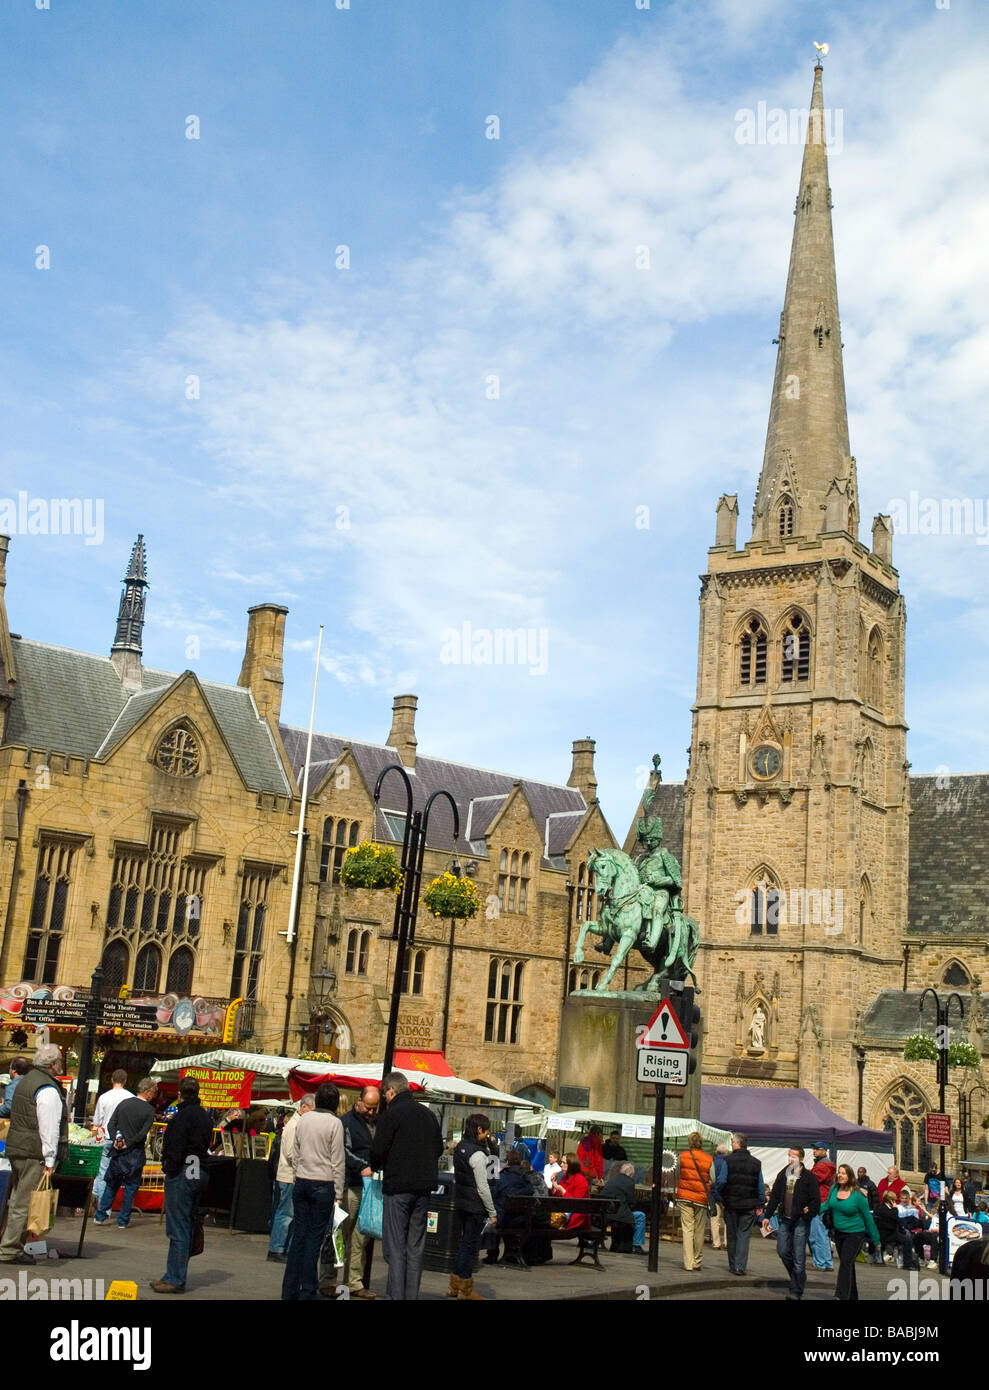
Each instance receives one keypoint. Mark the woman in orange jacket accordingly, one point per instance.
(692, 1193)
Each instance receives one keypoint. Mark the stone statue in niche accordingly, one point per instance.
(757, 1030)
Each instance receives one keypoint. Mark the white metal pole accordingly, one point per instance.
(300, 840)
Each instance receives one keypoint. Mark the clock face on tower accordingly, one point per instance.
(765, 762)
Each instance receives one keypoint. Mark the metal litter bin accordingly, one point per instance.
(442, 1226)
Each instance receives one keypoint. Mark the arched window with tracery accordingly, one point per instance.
(786, 517)
(524, 884)
(795, 653)
(752, 655)
(115, 963)
(147, 971)
(904, 1119)
(764, 903)
(180, 966)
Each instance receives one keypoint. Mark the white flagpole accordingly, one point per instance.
(300, 839)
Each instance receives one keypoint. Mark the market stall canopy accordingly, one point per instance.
(787, 1115)
(432, 1062)
(222, 1059)
(440, 1087)
(643, 1125)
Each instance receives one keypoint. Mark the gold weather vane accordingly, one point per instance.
(823, 49)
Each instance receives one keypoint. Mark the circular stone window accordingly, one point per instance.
(178, 754)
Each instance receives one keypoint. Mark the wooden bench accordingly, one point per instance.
(588, 1238)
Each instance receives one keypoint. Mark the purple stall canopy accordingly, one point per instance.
(785, 1115)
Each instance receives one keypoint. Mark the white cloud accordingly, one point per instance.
(618, 386)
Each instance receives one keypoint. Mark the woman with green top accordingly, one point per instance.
(851, 1222)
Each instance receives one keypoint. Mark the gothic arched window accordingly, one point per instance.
(786, 516)
(904, 1119)
(753, 649)
(115, 962)
(873, 684)
(957, 975)
(795, 663)
(764, 904)
(147, 971)
(179, 977)
(524, 884)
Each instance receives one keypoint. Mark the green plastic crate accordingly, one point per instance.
(82, 1161)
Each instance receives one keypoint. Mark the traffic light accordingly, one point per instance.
(689, 1015)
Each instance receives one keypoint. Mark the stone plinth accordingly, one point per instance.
(597, 1051)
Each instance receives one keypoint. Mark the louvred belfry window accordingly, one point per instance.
(795, 664)
(753, 651)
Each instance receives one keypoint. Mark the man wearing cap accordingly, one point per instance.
(819, 1238)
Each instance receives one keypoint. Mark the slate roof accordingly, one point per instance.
(895, 1013)
(466, 784)
(949, 855)
(668, 805)
(74, 703)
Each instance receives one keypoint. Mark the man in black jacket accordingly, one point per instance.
(796, 1196)
(743, 1194)
(407, 1144)
(359, 1125)
(131, 1124)
(184, 1151)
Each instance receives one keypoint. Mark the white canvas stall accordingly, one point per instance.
(773, 1159)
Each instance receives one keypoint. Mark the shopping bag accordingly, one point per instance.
(371, 1212)
(41, 1210)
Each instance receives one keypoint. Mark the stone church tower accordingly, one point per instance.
(796, 800)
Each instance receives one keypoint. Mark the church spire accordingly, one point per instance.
(125, 654)
(807, 485)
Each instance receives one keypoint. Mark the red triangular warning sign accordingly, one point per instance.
(664, 1029)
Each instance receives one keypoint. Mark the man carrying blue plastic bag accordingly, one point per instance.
(359, 1125)
(407, 1144)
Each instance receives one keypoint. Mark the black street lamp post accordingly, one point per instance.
(943, 1014)
(92, 1021)
(407, 904)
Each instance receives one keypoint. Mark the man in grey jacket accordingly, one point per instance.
(319, 1167)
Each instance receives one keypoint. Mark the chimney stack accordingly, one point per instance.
(582, 773)
(262, 668)
(403, 728)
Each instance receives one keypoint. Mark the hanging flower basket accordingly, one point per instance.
(963, 1054)
(449, 896)
(371, 866)
(920, 1047)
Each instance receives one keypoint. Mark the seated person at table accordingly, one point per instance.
(512, 1181)
(574, 1184)
(893, 1236)
(621, 1188)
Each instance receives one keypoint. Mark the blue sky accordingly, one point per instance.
(369, 389)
